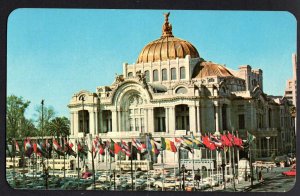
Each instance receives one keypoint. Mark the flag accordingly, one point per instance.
(101, 148)
(149, 145)
(170, 146)
(207, 142)
(125, 148)
(117, 148)
(217, 142)
(48, 148)
(138, 145)
(68, 149)
(28, 149)
(110, 148)
(237, 141)
(187, 141)
(155, 146)
(96, 146)
(230, 137)
(197, 144)
(57, 148)
(250, 137)
(82, 150)
(17, 148)
(225, 141)
(163, 143)
(180, 143)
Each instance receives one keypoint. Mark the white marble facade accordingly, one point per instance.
(178, 96)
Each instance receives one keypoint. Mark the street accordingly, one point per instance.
(274, 181)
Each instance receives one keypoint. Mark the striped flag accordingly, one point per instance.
(155, 146)
(125, 148)
(170, 145)
(28, 148)
(58, 149)
(163, 143)
(141, 147)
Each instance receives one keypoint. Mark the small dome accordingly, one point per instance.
(167, 47)
(205, 69)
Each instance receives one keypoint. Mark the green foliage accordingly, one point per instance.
(15, 119)
(48, 115)
(59, 127)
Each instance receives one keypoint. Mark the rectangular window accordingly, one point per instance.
(241, 121)
(182, 72)
(173, 73)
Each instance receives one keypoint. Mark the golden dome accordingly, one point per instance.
(205, 69)
(167, 47)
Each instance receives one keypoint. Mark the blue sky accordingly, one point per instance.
(54, 53)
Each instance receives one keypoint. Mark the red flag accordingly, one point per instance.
(117, 148)
(225, 140)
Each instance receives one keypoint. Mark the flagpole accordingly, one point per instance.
(180, 188)
(14, 151)
(78, 172)
(250, 157)
(64, 163)
(131, 166)
(93, 164)
(162, 159)
(233, 165)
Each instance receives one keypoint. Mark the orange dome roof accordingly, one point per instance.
(167, 47)
(205, 69)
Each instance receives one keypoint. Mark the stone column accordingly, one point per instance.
(193, 121)
(198, 119)
(220, 117)
(172, 120)
(119, 121)
(96, 121)
(167, 120)
(146, 120)
(92, 122)
(151, 120)
(217, 116)
(114, 120)
(76, 125)
(72, 122)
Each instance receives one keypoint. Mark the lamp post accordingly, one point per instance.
(183, 180)
(268, 146)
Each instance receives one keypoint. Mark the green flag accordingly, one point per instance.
(250, 137)
(163, 144)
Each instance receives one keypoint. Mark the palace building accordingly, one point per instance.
(172, 91)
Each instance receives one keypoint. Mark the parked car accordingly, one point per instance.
(291, 172)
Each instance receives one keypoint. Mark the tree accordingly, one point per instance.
(15, 118)
(48, 115)
(59, 127)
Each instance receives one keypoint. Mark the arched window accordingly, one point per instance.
(173, 73)
(130, 74)
(147, 76)
(182, 72)
(164, 75)
(155, 75)
(181, 90)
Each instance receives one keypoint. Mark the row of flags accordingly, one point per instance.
(211, 142)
